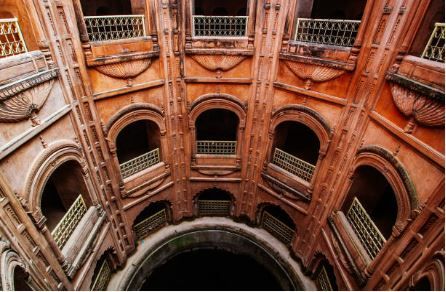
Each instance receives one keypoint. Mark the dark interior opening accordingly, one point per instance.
(217, 125)
(344, 9)
(281, 215)
(211, 270)
(21, 280)
(376, 196)
(330, 273)
(422, 285)
(220, 8)
(61, 190)
(434, 13)
(150, 210)
(106, 7)
(136, 139)
(214, 194)
(297, 140)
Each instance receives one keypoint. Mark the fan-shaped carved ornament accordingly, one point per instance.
(424, 110)
(21, 99)
(313, 73)
(125, 70)
(218, 62)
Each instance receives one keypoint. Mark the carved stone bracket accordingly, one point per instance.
(125, 66)
(313, 72)
(421, 103)
(21, 99)
(218, 62)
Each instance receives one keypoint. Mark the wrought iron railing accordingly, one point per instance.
(214, 207)
(368, 233)
(140, 163)
(219, 26)
(216, 147)
(143, 228)
(434, 49)
(323, 281)
(101, 280)
(293, 165)
(69, 222)
(114, 27)
(11, 38)
(335, 32)
(277, 227)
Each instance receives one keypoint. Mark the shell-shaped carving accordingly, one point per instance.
(425, 111)
(125, 70)
(312, 72)
(218, 62)
(22, 105)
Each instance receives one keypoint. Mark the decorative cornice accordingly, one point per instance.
(416, 86)
(408, 184)
(210, 96)
(313, 72)
(340, 65)
(20, 99)
(218, 62)
(125, 70)
(226, 52)
(284, 188)
(120, 58)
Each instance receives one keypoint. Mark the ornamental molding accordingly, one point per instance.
(22, 99)
(218, 62)
(311, 73)
(421, 103)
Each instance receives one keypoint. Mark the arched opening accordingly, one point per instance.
(371, 208)
(214, 202)
(325, 277)
(65, 198)
(429, 40)
(102, 273)
(319, 21)
(138, 147)
(295, 149)
(21, 280)
(276, 221)
(423, 284)
(153, 217)
(220, 18)
(216, 132)
(113, 20)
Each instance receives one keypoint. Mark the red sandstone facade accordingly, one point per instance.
(374, 109)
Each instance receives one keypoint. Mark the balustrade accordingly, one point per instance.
(139, 163)
(277, 228)
(434, 49)
(11, 38)
(214, 207)
(143, 228)
(294, 165)
(219, 26)
(217, 147)
(114, 27)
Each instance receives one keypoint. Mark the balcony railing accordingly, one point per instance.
(102, 278)
(277, 227)
(214, 207)
(143, 228)
(219, 26)
(114, 27)
(293, 165)
(368, 233)
(434, 49)
(217, 147)
(323, 281)
(334, 32)
(69, 221)
(140, 163)
(11, 38)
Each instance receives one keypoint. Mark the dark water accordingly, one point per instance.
(211, 270)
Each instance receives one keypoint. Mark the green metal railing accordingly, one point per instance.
(434, 49)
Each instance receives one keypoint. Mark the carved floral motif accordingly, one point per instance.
(218, 62)
(125, 70)
(424, 110)
(313, 73)
(21, 99)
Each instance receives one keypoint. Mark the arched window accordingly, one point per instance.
(151, 218)
(325, 277)
(214, 202)
(423, 284)
(216, 132)
(138, 147)
(102, 273)
(65, 200)
(371, 208)
(220, 18)
(319, 21)
(295, 149)
(21, 280)
(276, 221)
